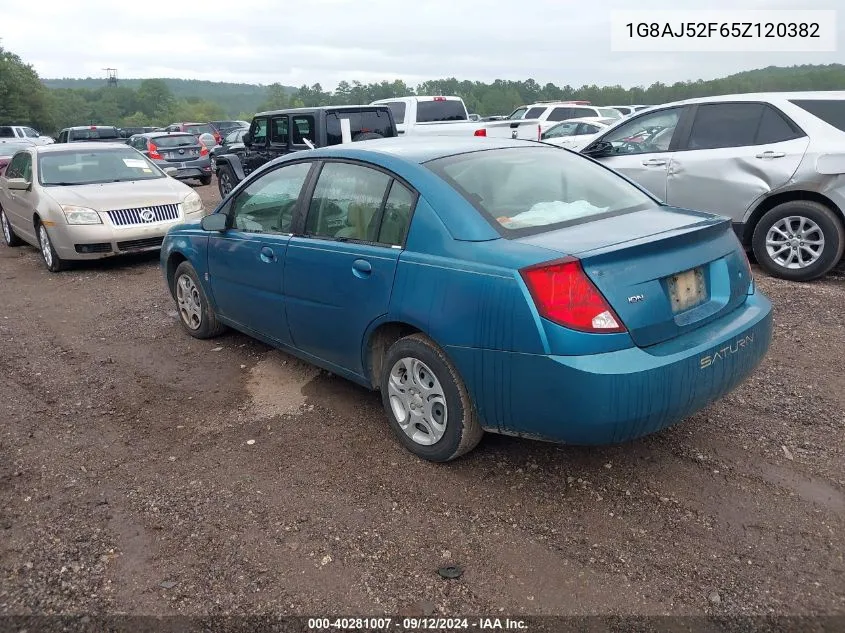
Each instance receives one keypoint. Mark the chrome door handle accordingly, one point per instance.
(771, 154)
(654, 162)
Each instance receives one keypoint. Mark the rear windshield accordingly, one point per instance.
(447, 110)
(196, 130)
(100, 132)
(610, 113)
(534, 189)
(174, 140)
(831, 111)
(360, 122)
(94, 166)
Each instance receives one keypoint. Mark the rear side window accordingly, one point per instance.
(196, 130)
(719, 125)
(561, 114)
(831, 111)
(302, 128)
(346, 202)
(775, 128)
(397, 109)
(447, 110)
(101, 132)
(279, 131)
(360, 122)
(534, 113)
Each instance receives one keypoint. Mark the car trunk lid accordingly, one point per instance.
(663, 272)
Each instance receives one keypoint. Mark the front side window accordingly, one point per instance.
(346, 202)
(268, 203)
(534, 113)
(74, 167)
(20, 167)
(259, 132)
(646, 134)
(529, 190)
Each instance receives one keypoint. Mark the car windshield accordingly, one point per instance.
(533, 189)
(196, 130)
(94, 166)
(174, 140)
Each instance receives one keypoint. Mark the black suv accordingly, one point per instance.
(274, 134)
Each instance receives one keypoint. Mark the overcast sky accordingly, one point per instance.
(326, 41)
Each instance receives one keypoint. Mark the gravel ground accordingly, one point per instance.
(145, 472)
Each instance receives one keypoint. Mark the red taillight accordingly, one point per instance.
(481, 132)
(440, 98)
(565, 295)
(153, 151)
(203, 149)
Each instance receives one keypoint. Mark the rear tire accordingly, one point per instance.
(205, 180)
(195, 312)
(427, 404)
(9, 236)
(798, 240)
(52, 261)
(225, 180)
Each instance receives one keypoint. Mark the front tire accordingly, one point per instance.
(798, 240)
(426, 402)
(52, 261)
(225, 180)
(9, 236)
(195, 312)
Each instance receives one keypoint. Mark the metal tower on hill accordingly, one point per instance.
(111, 76)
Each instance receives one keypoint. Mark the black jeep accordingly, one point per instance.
(273, 134)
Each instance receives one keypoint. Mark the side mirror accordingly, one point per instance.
(18, 184)
(247, 139)
(215, 222)
(170, 171)
(598, 149)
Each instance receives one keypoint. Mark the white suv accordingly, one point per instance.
(555, 111)
(773, 162)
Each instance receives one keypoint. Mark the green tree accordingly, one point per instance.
(23, 99)
(154, 98)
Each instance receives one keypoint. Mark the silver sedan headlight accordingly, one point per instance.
(80, 215)
(192, 203)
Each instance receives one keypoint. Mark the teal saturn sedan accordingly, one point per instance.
(480, 285)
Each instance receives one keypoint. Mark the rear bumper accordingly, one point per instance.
(191, 168)
(616, 396)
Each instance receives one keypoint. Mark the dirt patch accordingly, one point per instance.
(127, 483)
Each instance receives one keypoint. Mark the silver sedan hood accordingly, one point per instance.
(121, 195)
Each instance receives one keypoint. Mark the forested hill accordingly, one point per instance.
(232, 97)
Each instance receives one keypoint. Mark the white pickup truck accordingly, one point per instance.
(447, 116)
(438, 116)
(9, 132)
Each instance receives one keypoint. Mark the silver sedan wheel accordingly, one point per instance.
(7, 231)
(46, 249)
(190, 304)
(795, 242)
(417, 401)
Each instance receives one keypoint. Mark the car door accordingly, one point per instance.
(733, 153)
(20, 205)
(256, 153)
(339, 271)
(279, 137)
(246, 261)
(642, 147)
